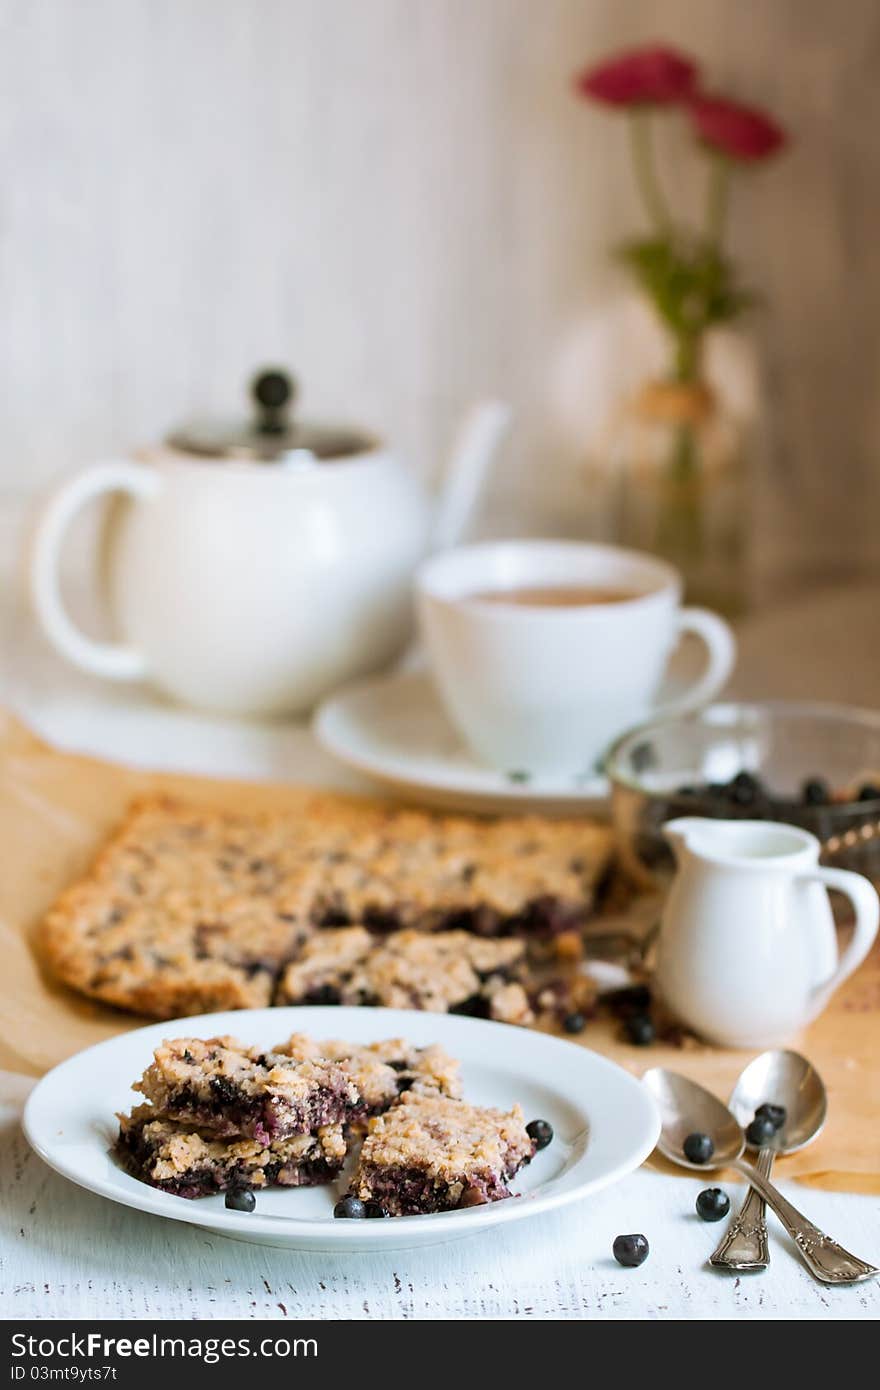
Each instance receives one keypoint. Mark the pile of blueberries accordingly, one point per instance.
(746, 792)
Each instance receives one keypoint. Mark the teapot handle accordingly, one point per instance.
(115, 661)
(866, 905)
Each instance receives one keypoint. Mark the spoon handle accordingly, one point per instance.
(825, 1259)
(744, 1245)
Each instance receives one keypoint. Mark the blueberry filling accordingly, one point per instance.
(409, 1191)
(230, 1112)
(323, 994)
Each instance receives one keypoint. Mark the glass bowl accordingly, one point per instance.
(665, 769)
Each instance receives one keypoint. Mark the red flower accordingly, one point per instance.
(640, 77)
(740, 132)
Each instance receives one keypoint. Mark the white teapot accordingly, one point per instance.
(251, 567)
(747, 953)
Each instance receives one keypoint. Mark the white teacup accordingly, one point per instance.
(545, 688)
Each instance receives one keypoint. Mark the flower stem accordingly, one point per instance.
(717, 199)
(642, 150)
(687, 357)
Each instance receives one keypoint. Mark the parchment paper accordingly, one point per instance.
(56, 808)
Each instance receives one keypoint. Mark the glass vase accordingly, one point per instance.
(679, 481)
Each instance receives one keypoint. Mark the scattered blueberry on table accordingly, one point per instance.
(640, 1030)
(712, 1204)
(541, 1131)
(574, 1023)
(630, 1251)
(698, 1148)
(240, 1199)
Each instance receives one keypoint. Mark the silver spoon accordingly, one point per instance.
(780, 1078)
(686, 1108)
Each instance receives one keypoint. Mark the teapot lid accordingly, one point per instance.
(270, 435)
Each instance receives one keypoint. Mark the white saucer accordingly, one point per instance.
(395, 730)
(605, 1124)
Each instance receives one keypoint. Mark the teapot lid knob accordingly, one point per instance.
(273, 391)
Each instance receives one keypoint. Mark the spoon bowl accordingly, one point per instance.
(687, 1108)
(784, 1078)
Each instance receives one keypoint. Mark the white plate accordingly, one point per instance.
(395, 730)
(605, 1123)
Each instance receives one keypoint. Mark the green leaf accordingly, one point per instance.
(690, 283)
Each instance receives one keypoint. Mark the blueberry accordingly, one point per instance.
(541, 1131)
(630, 1251)
(574, 1023)
(713, 1204)
(374, 1209)
(760, 1131)
(324, 994)
(744, 789)
(774, 1113)
(640, 1030)
(350, 1206)
(815, 792)
(698, 1148)
(240, 1199)
(869, 792)
(633, 999)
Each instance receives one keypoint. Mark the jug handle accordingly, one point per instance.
(866, 905)
(113, 660)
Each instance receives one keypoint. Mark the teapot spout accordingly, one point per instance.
(467, 472)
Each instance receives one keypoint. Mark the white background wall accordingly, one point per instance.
(403, 200)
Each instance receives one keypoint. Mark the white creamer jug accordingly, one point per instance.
(748, 948)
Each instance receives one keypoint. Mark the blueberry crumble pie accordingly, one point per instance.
(221, 1116)
(188, 910)
(428, 1154)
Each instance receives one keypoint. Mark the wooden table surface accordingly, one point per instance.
(66, 1253)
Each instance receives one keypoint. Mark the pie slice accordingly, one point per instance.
(189, 1162)
(226, 1088)
(429, 1153)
